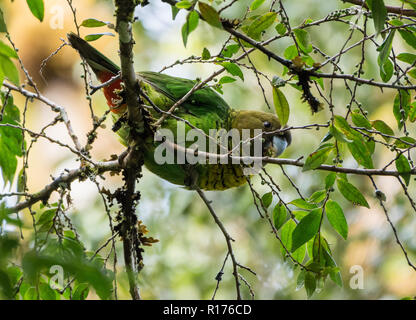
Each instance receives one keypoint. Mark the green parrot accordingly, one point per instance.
(204, 109)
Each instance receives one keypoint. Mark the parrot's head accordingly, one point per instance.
(274, 142)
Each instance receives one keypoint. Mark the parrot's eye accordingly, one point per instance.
(267, 124)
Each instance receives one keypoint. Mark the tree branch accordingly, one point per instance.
(134, 160)
(396, 10)
(64, 180)
(55, 107)
(312, 73)
(281, 161)
(99, 168)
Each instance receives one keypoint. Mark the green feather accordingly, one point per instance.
(204, 109)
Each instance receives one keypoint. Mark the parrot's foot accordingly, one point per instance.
(122, 157)
(119, 123)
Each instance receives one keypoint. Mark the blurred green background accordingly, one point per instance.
(184, 264)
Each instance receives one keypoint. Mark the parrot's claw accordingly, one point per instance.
(123, 156)
(119, 123)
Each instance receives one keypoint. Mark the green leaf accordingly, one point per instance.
(267, 199)
(299, 254)
(1, 77)
(255, 4)
(328, 136)
(310, 284)
(320, 81)
(316, 158)
(175, 12)
(386, 70)
(338, 135)
(210, 15)
(405, 142)
(281, 106)
(303, 40)
(30, 294)
(3, 27)
(412, 73)
(307, 228)
(46, 217)
(341, 124)
(385, 49)
(93, 23)
(411, 3)
(96, 36)
(401, 102)
(403, 167)
(379, 13)
(358, 147)
(290, 52)
(408, 37)
(286, 236)
(261, 24)
(46, 292)
(351, 193)
(300, 214)
(8, 164)
(281, 28)
(342, 176)
(318, 196)
(279, 216)
(334, 272)
(409, 58)
(385, 65)
(190, 25)
(330, 180)
(11, 139)
(336, 218)
(7, 51)
(300, 281)
(206, 54)
(230, 50)
(396, 22)
(383, 127)
(81, 291)
(361, 152)
(233, 69)
(226, 79)
(9, 69)
(320, 245)
(37, 8)
(412, 112)
(74, 261)
(302, 204)
(183, 4)
(14, 274)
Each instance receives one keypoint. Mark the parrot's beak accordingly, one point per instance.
(279, 145)
(275, 145)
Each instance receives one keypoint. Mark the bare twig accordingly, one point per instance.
(65, 179)
(396, 10)
(228, 239)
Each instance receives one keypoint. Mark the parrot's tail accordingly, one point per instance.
(96, 60)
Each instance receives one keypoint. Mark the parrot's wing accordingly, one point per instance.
(201, 102)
